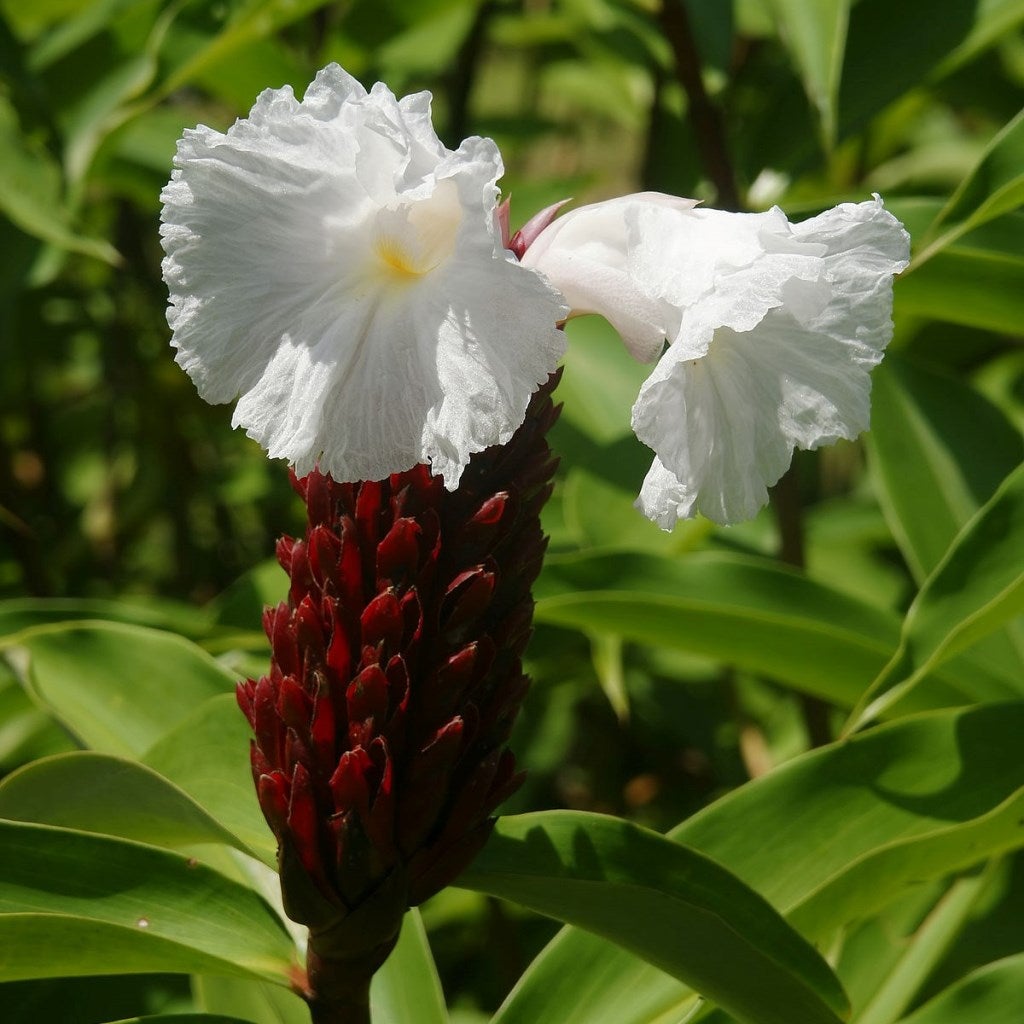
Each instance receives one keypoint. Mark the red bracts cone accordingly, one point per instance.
(380, 751)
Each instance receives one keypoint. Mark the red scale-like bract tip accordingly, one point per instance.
(379, 752)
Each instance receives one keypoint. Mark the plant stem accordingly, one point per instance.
(354, 1011)
(703, 113)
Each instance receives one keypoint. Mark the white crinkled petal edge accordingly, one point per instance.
(269, 233)
(768, 362)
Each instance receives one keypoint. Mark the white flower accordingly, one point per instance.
(772, 331)
(342, 273)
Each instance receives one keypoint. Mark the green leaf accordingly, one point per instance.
(21, 613)
(207, 756)
(747, 612)
(924, 950)
(993, 994)
(97, 793)
(601, 380)
(407, 990)
(851, 826)
(31, 193)
(73, 903)
(814, 32)
(994, 20)
(606, 654)
(580, 978)
(256, 21)
(183, 1018)
(259, 1002)
(964, 284)
(892, 48)
(118, 688)
(939, 450)
(975, 589)
(677, 909)
(993, 188)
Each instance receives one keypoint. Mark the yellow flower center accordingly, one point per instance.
(413, 239)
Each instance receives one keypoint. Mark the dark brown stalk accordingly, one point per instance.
(703, 113)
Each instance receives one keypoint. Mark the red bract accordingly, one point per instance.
(380, 750)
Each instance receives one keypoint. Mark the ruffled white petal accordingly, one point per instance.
(338, 270)
(772, 329)
(774, 354)
(589, 256)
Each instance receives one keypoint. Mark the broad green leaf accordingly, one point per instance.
(661, 900)
(891, 48)
(25, 732)
(993, 188)
(747, 612)
(257, 1001)
(118, 688)
(407, 990)
(895, 794)
(917, 799)
(919, 956)
(580, 978)
(183, 1018)
(101, 894)
(975, 589)
(207, 756)
(939, 450)
(992, 994)
(97, 793)
(21, 613)
(994, 20)
(814, 32)
(56, 945)
(87, 1000)
(976, 280)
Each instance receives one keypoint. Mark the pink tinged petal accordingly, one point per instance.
(774, 355)
(504, 213)
(587, 253)
(531, 230)
(342, 274)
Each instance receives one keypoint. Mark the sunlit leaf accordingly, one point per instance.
(751, 613)
(118, 688)
(993, 994)
(814, 31)
(836, 832)
(975, 589)
(97, 793)
(259, 1002)
(207, 756)
(677, 909)
(183, 1018)
(407, 990)
(75, 903)
(940, 450)
(993, 188)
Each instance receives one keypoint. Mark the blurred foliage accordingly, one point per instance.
(124, 497)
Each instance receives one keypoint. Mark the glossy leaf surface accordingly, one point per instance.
(676, 908)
